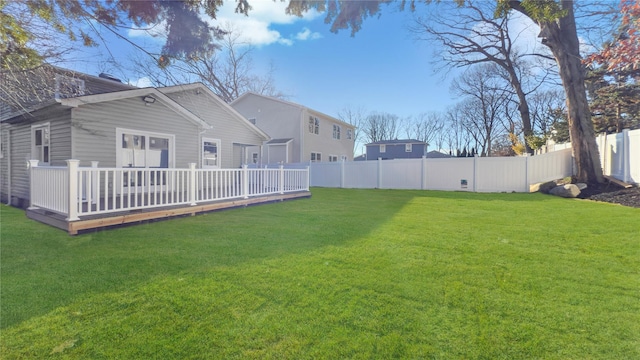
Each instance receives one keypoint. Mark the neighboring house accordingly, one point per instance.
(396, 149)
(121, 126)
(299, 134)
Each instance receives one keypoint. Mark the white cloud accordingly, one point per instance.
(306, 34)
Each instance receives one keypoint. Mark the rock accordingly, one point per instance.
(565, 191)
(547, 186)
(581, 186)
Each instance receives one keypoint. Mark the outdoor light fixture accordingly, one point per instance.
(149, 99)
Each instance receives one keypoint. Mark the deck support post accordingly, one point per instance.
(245, 181)
(192, 184)
(72, 168)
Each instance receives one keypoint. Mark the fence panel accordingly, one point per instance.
(450, 174)
(401, 174)
(498, 174)
(326, 174)
(634, 157)
(550, 166)
(50, 188)
(361, 175)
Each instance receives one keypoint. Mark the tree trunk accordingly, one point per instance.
(562, 38)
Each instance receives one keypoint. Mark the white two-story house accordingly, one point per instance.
(298, 133)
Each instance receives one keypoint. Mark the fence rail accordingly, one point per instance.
(495, 174)
(75, 191)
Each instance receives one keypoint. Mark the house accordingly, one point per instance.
(396, 149)
(119, 126)
(298, 133)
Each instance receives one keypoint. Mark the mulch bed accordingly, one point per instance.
(612, 193)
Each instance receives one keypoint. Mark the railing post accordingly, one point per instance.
(245, 181)
(281, 182)
(192, 184)
(32, 164)
(72, 168)
(95, 176)
(308, 178)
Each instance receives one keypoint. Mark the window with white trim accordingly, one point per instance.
(383, 148)
(316, 157)
(254, 157)
(349, 134)
(41, 143)
(336, 132)
(343, 157)
(210, 153)
(144, 149)
(407, 147)
(333, 158)
(314, 125)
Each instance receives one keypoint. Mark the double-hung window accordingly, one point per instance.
(349, 134)
(383, 148)
(336, 132)
(333, 158)
(314, 125)
(408, 147)
(41, 143)
(316, 157)
(210, 153)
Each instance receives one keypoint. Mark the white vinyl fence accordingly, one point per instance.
(491, 174)
(79, 191)
(619, 154)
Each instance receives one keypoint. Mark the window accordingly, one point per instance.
(343, 157)
(315, 157)
(336, 132)
(144, 149)
(407, 147)
(67, 87)
(210, 153)
(333, 158)
(314, 125)
(252, 120)
(383, 148)
(40, 143)
(349, 134)
(254, 157)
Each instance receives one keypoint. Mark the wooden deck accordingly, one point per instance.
(104, 221)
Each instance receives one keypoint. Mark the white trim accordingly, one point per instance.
(383, 148)
(316, 153)
(39, 154)
(118, 144)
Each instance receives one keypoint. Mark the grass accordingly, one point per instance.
(346, 274)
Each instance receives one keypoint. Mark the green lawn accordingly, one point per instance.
(346, 274)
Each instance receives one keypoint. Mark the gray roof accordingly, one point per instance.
(278, 141)
(433, 154)
(396, 142)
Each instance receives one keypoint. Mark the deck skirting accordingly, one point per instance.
(103, 221)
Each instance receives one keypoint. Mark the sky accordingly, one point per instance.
(382, 68)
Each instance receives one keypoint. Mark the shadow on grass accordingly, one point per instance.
(43, 268)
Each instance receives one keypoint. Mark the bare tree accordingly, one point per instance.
(356, 117)
(483, 107)
(228, 72)
(425, 127)
(380, 126)
(472, 35)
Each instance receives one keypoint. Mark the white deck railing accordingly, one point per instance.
(75, 191)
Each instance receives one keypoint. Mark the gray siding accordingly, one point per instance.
(94, 130)
(4, 161)
(324, 142)
(19, 149)
(225, 126)
(278, 119)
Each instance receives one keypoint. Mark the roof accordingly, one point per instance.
(397, 142)
(434, 154)
(289, 103)
(279, 141)
(217, 99)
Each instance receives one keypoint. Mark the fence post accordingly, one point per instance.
(527, 184)
(281, 182)
(192, 184)
(32, 164)
(308, 178)
(475, 174)
(379, 182)
(342, 174)
(424, 172)
(626, 156)
(72, 168)
(245, 181)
